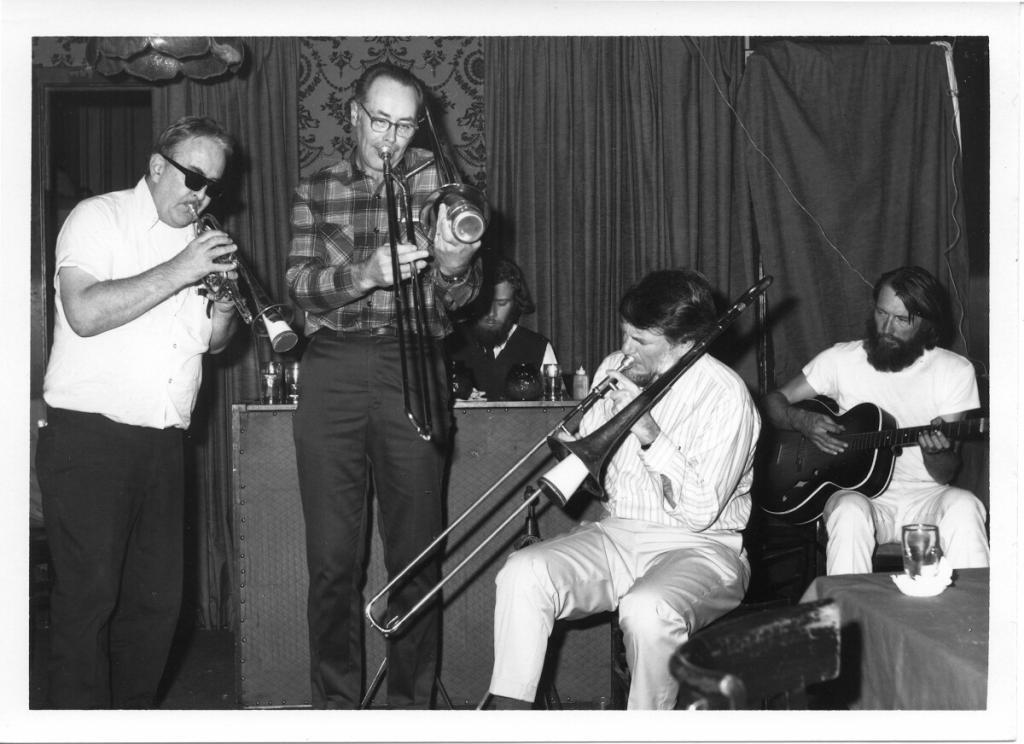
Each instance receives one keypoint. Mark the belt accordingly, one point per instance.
(362, 332)
(380, 332)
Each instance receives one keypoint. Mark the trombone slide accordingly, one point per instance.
(393, 625)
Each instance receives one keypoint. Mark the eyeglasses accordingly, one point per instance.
(380, 125)
(195, 181)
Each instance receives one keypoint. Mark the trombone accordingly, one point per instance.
(580, 460)
(468, 215)
(394, 624)
(424, 423)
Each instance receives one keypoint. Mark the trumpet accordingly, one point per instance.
(219, 287)
(580, 460)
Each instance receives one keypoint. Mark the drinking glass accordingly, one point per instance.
(291, 381)
(921, 551)
(271, 390)
(553, 382)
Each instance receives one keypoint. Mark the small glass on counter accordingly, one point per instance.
(271, 383)
(291, 382)
(553, 388)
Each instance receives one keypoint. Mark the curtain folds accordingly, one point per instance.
(260, 108)
(863, 136)
(608, 158)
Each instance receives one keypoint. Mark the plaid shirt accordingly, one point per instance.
(339, 219)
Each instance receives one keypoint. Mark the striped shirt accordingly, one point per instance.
(339, 218)
(697, 474)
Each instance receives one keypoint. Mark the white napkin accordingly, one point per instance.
(925, 586)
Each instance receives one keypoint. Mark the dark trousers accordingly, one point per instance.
(352, 438)
(113, 506)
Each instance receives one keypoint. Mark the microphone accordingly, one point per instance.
(532, 533)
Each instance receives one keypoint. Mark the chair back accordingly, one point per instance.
(756, 660)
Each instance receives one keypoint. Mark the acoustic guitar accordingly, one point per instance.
(799, 478)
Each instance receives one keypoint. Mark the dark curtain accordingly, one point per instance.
(864, 138)
(259, 107)
(607, 158)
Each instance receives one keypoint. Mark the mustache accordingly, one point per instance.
(640, 378)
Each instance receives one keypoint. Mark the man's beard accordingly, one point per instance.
(640, 379)
(890, 354)
(489, 336)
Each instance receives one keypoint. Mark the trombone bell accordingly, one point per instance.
(564, 479)
(468, 211)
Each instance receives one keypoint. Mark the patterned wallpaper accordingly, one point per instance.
(451, 68)
(59, 51)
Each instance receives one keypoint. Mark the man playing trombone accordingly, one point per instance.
(667, 554)
(350, 428)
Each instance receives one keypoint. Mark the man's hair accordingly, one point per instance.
(188, 127)
(676, 302)
(923, 297)
(505, 270)
(393, 72)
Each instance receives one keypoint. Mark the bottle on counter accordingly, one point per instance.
(580, 383)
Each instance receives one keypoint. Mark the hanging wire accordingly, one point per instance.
(772, 165)
(958, 234)
(954, 243)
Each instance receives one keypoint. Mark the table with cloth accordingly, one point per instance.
(910, 653)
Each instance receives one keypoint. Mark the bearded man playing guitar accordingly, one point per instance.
(900, 369)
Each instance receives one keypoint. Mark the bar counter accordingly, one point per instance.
(272, 653)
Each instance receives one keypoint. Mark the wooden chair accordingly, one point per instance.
(759, 660)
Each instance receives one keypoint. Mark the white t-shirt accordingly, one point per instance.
(940, 382)
(146, 372)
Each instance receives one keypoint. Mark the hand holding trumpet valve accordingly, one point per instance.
(209, 252)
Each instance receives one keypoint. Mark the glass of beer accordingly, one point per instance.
(921, 551)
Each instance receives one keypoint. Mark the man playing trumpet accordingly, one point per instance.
(668, 552)
(130, 331)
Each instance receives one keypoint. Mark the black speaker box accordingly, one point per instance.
(271, 640)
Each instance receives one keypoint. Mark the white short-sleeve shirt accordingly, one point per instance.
(146, 372)
(939, 382)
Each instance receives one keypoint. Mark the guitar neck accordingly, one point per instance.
(887, 438)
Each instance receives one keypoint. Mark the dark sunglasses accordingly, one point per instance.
(195, 181)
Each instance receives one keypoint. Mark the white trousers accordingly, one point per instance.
(855, 524)
(666, 582)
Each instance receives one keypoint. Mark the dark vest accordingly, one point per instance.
(488, 372)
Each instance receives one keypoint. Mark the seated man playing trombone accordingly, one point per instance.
(667, 553)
